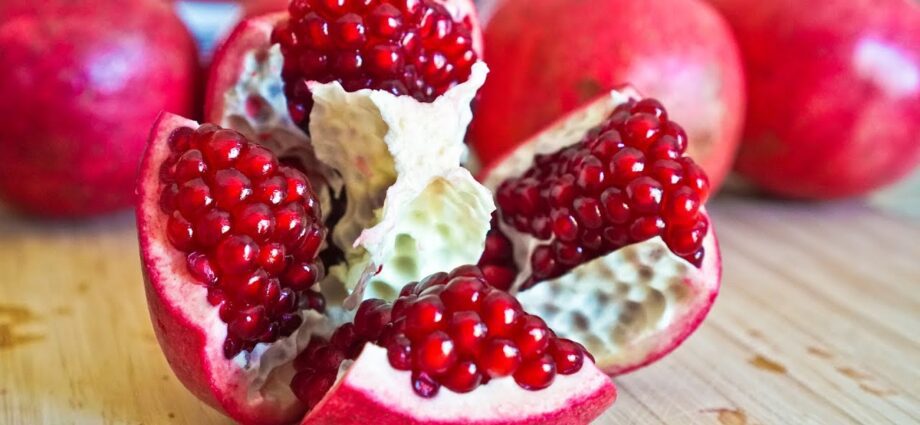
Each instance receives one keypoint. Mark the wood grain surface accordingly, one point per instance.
(818, 323)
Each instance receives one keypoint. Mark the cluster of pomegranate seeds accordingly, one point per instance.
(626, 181)
(497, 261)
(405, 47)
(250, 229)
(452, 330)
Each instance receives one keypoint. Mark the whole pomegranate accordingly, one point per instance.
(835, 94)
(82, 83)
(549, 57)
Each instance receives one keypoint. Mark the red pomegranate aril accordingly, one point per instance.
(651, 107)
(568, 356)
(646, 228)
(468, 332)
(257, 162)
(249, 324)
(200, 267)
(254, 220)
(565, 227)
(462, 378)
(500, 312)
(426, 315)
(271, 191)
(310, 388)
(543, 262)
(290, 224)
(247, 289)
(533, 337)
(222, 148)
(685, 242)
(683, 207)
(190, 166)
(500, 276)
(210, 227)
(297, 185)
(385, 21)
(371, 318)
(435, 354)
(499, 358)
(424, 385)
(230, 187)
(399, 353)
(588, 211)
(301, 276)
(236, 255)
(641, 130)
(193, 198)
(179, 232)
(644, 195)
(310, 244)
(667, 172)
(536, 374)
(627, 165)
(463, 293)
(272, 258)
(568, 254)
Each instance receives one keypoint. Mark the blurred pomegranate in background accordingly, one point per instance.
(549, 57)
(835, 93)
(82, 81)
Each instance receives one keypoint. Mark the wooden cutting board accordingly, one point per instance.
(818, 323)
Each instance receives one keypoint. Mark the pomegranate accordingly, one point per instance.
(230, 237)
(601, 229)
(88, 78)
(835, 94)
(549, 57)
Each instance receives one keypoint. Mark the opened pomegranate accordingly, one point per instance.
(82, 81)
(601, 230)
(229, 240)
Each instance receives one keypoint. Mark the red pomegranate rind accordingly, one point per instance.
(251, 36)
(576, 399)
(186, 326)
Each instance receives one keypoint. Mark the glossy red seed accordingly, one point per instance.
(462, 378)
(641, 130)
(424, 385)
(193, 198)
(426, 315)
(222, 148)
(271, 258)
(468, 332)
(536, 374)
(644, 195)
(588, 212)
(211, 226)
(271, 191)
(257, 162)
(236, 254)
(230, 187)
(499, 276)
(500, 311)
(567, 355)
(499, 358)
(180, 233)
(435, 354)
(200, 267)
(399, 353)
(249, 324)
(463, 293)
(254, 220)
(301, 276)
(566, 227)
(190, 166)
(371, 317)
(532, 337)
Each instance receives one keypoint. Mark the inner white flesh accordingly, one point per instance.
(613, 304)
(412, 210)
(500, 398)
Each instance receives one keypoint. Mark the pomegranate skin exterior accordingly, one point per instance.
(83, 81)
(549, 57)
(835, 94)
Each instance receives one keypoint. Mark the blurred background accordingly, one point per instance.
(806, 115)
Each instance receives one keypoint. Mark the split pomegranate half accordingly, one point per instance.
(601, 230)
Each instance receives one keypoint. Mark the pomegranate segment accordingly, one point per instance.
(256, 255)
(626, 181)
(404, 47)
(449, 330)
(606, 212)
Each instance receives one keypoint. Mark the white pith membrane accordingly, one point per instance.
(261, 377)
(499, 401)
(630, 306)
